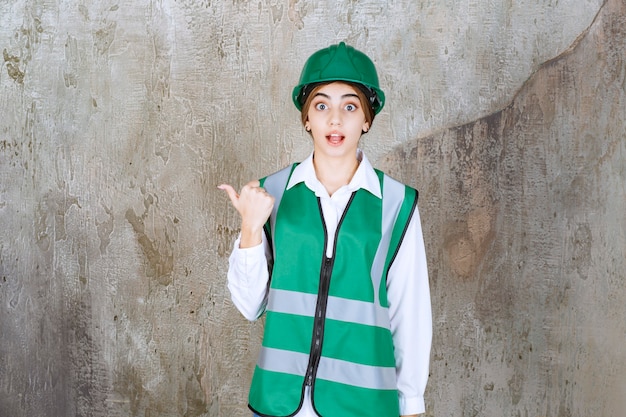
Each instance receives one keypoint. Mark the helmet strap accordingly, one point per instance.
(370, 94)
(305, 91)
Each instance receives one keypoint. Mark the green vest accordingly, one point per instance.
(327, 321)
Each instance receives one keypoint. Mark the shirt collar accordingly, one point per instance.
(365, 177)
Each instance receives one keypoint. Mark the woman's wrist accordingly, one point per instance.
(250, 237)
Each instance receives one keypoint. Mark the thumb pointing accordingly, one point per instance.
(232, 194)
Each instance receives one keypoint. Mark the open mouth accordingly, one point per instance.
(335, 138)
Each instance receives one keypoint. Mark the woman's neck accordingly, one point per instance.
(334, 174)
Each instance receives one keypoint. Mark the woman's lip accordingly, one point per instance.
(335, 133)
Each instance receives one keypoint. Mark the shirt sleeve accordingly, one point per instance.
(248, 278)
(410, 315)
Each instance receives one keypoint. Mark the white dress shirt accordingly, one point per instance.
(407, 284)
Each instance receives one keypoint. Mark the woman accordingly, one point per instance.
(348, 318)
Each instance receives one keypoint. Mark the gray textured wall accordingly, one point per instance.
(119, 118)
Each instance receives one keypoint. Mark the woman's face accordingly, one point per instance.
(336, 121)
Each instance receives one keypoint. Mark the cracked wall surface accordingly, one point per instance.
(119, 118)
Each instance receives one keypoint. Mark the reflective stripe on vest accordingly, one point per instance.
(285, 361)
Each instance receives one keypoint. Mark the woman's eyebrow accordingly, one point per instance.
(343, 96)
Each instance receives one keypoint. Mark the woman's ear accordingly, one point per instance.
(366, 127)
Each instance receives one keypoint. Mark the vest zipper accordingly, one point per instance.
(318, 321)
(322, 299)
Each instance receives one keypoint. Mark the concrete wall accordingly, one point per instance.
(118, 119)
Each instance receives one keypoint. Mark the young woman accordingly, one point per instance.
(332, 251)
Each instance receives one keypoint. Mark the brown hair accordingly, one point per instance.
(365, 103)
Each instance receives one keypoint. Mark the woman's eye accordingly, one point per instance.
(321, 106)
(350, 107)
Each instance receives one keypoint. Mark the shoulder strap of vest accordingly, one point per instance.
(405, 199)
(275, 185)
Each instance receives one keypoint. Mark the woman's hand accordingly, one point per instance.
(254, 205)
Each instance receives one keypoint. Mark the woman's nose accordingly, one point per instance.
(335, 117)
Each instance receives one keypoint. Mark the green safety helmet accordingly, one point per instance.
(340, 63)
